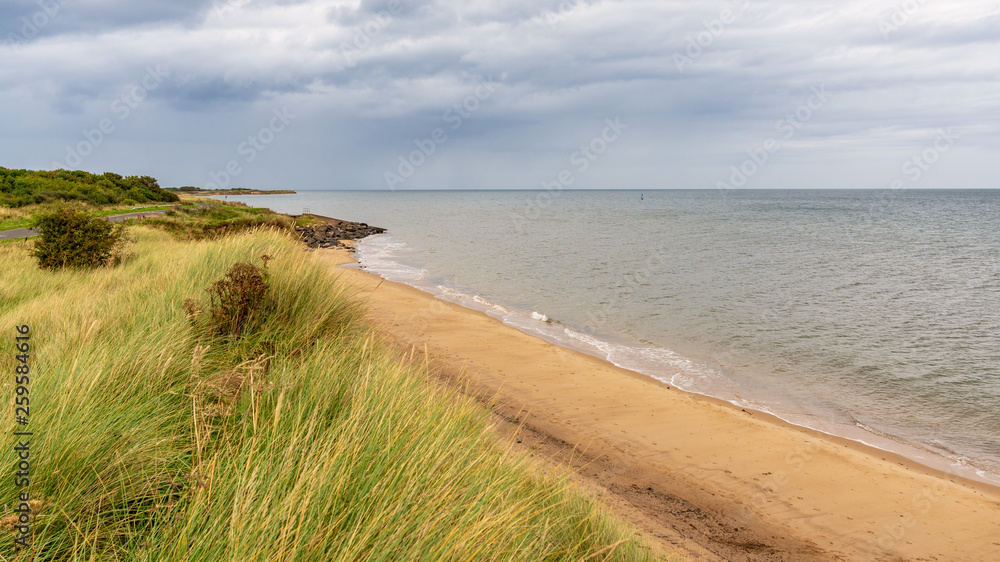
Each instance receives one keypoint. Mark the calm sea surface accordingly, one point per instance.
(873, 315)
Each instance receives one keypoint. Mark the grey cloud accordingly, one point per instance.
(48, 18)
(560, 68)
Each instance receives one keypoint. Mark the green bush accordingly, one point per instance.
(29, 187)
(72, 238)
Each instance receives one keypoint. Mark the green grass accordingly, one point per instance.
(124, 210)
(23, 217)
(307, 440)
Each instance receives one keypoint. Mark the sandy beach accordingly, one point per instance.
(701, 477)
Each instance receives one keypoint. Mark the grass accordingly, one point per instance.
(220, 219)
(131, 209)
(308, 439)
(14, 218)
(23, 217)
(188, 221)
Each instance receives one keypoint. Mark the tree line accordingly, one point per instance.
(27, 187)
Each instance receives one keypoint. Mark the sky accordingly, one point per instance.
(517, 94)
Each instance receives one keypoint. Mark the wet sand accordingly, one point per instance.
(699, 476)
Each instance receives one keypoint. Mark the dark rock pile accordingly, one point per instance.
(331, 235)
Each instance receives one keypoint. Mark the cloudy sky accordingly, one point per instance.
(443, 94)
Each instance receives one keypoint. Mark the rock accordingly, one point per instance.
(331, 235)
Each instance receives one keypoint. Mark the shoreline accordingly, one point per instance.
(757, 505)
(855, 435)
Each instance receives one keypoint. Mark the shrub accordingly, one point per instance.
(72, 238)
(240, 301)
(25, 187)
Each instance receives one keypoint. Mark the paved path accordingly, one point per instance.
(16, 233)
(28, 233)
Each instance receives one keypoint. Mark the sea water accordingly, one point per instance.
(872, 315)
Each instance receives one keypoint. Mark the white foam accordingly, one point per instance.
(659, 363)
(380, 254)
(492, 305)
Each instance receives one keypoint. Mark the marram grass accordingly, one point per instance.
(309, 440)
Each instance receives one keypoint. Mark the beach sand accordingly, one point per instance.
(698, 476)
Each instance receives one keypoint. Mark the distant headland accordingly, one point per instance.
(231, 191)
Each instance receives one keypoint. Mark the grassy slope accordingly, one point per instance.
(219, 219)
(307, 441)
(184, 220)
(24, 217)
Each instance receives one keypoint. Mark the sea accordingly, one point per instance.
(869, 315)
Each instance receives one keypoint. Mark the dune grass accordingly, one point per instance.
(219, 219)
(308, 439)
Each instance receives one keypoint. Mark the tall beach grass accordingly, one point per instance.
(309, 439)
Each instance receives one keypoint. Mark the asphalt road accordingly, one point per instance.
(28, 233)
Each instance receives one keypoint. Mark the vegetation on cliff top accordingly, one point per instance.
(27, 187)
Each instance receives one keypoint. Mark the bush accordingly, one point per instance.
(240, 300)
(72, 238)
(26, 187)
